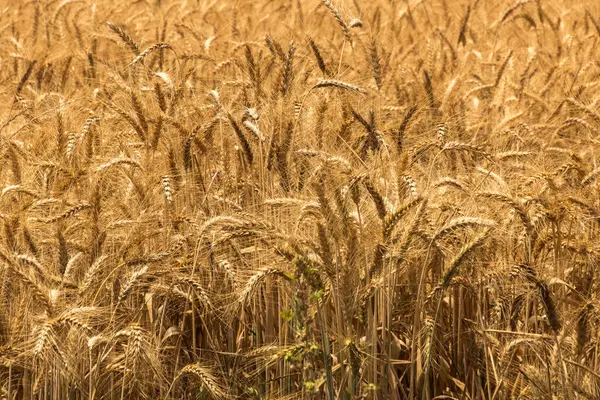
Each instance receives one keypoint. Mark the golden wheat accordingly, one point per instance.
(299, 200)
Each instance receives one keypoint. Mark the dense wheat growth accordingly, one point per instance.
(300, 199)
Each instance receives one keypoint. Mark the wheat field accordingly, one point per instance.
(300, 199)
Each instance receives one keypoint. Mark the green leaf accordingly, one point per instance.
(287, 315)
